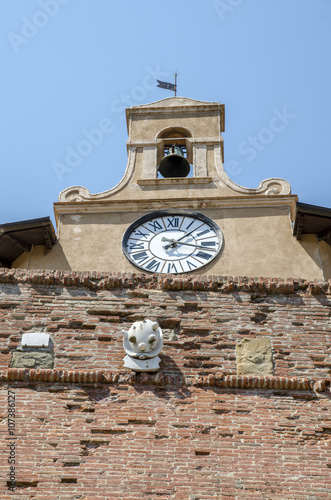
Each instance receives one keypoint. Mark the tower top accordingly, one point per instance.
(196, 127)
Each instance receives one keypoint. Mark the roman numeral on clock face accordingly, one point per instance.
(191, 265)
(203, 255)
(153, 266)
(140, 256)
(203, 232)
(140, 233)
(136, 246)
(155, 225)
(174, 222)
(190, 224)
(171, 268)
(208, 243)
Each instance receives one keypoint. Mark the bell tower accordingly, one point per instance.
(178, 138)
(195, 129)
(176, 211)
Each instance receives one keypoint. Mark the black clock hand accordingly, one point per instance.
(175, 241)
(174, 244)
(191, 245)
(186, 234)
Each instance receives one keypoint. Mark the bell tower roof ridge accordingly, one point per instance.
(176, 101)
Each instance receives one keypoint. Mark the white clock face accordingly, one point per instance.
(172, 242)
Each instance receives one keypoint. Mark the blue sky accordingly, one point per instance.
(71, 66)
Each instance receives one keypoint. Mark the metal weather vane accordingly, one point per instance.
(168, 85)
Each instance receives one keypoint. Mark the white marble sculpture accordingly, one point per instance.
(142, 344)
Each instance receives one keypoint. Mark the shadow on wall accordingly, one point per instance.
(176, 387)
(319, 252)
(41, 258)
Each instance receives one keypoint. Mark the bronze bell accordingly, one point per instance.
(174, 164)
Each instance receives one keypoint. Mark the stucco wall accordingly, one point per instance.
(257, 242)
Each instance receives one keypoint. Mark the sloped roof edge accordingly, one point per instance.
(312, 219)
(21, 236)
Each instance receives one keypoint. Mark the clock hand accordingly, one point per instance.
(174, 244)
(167, 239)
(192, 245)
(179, 239)
(186, 234)
(175, 241)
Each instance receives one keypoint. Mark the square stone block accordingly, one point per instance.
(254, 357)
(32, 359)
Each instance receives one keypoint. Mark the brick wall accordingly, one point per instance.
(195, 430)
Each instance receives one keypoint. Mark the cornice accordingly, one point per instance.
(174, 181)
(94, 280)
(246, 382)
(179, 108)
(180, 202)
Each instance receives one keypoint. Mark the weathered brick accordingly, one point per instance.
(194, 430)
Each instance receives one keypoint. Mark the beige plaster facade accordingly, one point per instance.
(256, 223)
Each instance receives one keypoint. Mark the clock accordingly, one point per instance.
(172, 242)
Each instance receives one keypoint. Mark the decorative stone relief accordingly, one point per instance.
(34, 351)
(142, 344)
(32, 360)
(254, 357)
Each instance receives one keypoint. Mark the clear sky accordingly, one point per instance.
(71, 66)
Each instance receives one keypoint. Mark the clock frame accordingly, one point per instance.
(172, 242)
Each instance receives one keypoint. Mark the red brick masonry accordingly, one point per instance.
(194, 430)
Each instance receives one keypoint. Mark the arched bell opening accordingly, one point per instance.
(174, 152)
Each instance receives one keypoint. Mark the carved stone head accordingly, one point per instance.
(143, 340)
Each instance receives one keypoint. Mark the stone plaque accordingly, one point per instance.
(254, 357)
(35, 339)
(32, 360)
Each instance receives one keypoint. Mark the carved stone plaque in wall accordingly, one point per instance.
(254, 357)
(34, 351)
(32, 360)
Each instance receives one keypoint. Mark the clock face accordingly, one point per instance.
(172, 242)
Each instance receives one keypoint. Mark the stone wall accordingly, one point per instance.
(195, 429)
